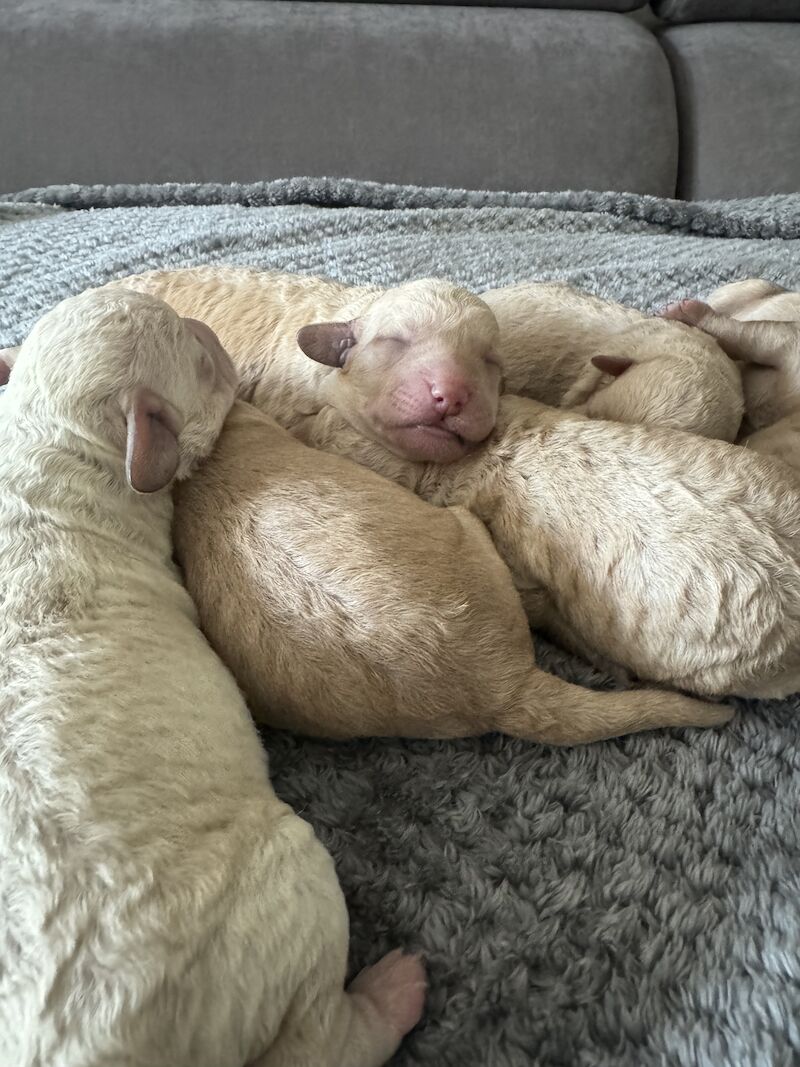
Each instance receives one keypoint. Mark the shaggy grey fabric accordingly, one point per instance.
(628, 904)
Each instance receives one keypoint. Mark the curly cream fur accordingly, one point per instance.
(675, 557)
(160, 906)
(680, 379)
(758, 324)
(548, 334)
(347, 606)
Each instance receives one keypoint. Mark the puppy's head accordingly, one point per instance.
(124, 370)
(662, 374)
(417, 372)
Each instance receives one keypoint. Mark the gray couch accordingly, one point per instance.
(676, 101)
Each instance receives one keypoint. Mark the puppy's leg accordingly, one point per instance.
(769, 354)
(761, 341)
(361, 1027)
(554, 712)
(781, 440)
(736, 297)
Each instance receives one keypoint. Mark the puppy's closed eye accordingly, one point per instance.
(390, 339)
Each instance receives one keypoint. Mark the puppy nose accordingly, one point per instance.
(449, 398)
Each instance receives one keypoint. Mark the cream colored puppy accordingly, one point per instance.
(424, 359)
(161, 907)
(573, 350)
(429, 337)
(758, 324)
(674, 557)
(644, 548)
(420, 360)
(346, 606)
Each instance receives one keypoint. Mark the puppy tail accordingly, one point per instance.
(555, 712)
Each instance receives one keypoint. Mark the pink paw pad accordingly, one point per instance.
(396, 986)
(689, 311)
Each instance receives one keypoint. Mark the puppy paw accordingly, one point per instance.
(396, 987)
(691, 312)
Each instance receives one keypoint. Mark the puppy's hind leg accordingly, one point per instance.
(555, 712)
(737, 297)
(769, 356)
(763, 342)
(359, 1027)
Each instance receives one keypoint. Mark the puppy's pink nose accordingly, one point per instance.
(449, 398)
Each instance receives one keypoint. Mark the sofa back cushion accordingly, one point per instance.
(728, 10)
(582, 5)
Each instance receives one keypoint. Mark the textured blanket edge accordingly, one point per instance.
(762, 217)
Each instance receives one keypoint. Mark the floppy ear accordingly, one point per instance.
(327, 342)
(7, 358)
(152, 454)
(614, 365)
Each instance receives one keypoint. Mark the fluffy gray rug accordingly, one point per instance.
(629, 904)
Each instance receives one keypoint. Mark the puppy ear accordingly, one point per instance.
(614, 365)
(327, 342)
(7, 358)
(152, 456)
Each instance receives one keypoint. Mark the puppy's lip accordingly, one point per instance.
(470, 431)
(433, 429)
(424, 442)
(436, 428)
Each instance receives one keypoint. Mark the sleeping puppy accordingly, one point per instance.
(758, 324)
(346, 606)
(429, 336)
(429, 348)
(161, 907)
(651, 550)
(573, 350)
(425, 362)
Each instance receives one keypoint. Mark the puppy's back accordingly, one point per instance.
(324, 586)
(138, 829)
(548, 331)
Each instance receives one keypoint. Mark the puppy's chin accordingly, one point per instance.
(426, 444)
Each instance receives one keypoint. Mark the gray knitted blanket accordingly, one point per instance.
(628, 904)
